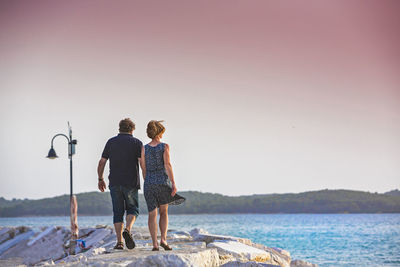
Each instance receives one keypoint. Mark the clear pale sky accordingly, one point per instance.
(258, 96)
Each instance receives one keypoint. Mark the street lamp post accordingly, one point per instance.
(73, 202)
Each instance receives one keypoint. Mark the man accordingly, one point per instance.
(123, 150)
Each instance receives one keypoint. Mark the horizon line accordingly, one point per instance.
(325, 189)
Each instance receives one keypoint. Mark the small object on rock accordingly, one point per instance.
(301, 263)
(248, 264)
(23, 229)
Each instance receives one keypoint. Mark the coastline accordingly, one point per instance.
(328, 240)
(219, 213)
(25, 247)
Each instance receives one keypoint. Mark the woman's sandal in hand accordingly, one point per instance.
(165, 246)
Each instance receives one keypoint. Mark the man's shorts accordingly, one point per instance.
(124, 198)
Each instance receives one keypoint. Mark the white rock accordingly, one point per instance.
(240, 250)
(196, 244)
(182, 232)
(197, 231)
(206, 258)
(177, 236)
(278, 256)
(95, 251)
(110, 238)
(282, 251)
(41, 235)
(73, 259)
(6, 233)
(45, 263)
(83, 233)
(49, 247)
(14, 262)
(147, 258)
(12, 242)
(209, 238)
(4, 230)
(97, 236)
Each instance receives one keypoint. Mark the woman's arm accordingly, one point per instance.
(168, 168)
(142, 162)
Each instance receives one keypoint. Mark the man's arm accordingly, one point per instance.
(100, 170)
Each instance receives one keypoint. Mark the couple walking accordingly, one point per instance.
(125, 152)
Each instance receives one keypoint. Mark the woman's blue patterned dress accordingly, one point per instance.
(157, 185)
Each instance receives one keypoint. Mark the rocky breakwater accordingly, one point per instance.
(21, 246)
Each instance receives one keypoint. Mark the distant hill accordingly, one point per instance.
(393, 193)
(324, 201)
(6, 203)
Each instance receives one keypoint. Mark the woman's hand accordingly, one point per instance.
(173, 189)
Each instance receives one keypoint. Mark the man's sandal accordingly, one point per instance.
(165, 246)
(119, 245)
(130, 244)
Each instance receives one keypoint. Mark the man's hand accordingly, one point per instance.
(100, 170)
(173, 190)
(102, 185)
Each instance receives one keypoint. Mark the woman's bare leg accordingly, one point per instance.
(152, 222)
(163, 222)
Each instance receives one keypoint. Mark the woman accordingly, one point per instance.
(159, 184)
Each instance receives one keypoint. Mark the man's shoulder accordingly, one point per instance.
(112, 139)
(124, 139)
(136, 140)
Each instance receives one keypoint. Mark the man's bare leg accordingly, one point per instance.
(152, 222)
(130, 220)
(118, 230)
(163, 222)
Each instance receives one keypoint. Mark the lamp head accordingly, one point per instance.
(52, 154)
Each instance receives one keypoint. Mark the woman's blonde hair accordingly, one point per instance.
(155, 128)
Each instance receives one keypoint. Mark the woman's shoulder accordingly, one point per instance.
(154, 146)
(165, 146)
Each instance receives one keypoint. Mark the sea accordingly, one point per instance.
(324, 239)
